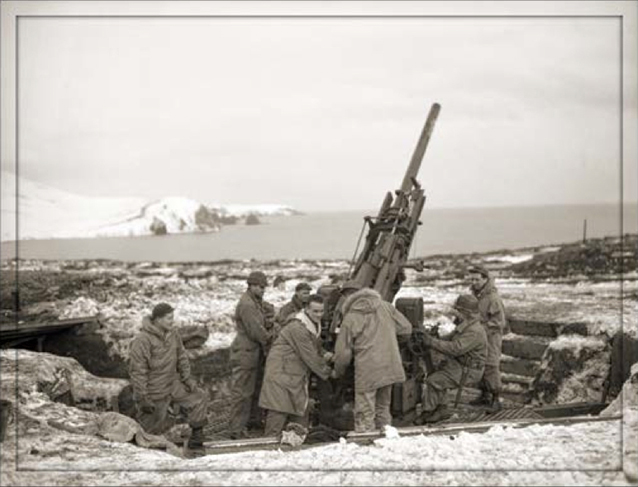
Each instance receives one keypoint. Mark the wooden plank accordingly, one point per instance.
(10, 333)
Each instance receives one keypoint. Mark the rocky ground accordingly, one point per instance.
(565, 303)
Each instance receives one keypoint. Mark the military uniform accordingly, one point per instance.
(465, 348)
(246, 357)
(289, 309)
(159, 369)
(293, 356)
(369, 332)
(492, 316)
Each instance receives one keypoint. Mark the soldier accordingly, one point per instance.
(296, 304)
(492, 314)
(466, 349)
(294, 355)
(160, 374)
(247, 352)
(369, 331)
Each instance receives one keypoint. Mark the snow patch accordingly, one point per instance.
(241, 211)
(391, 432)
(577, 343)
(511, 259)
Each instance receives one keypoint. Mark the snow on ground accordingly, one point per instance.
(510, 259)
(581, 454)
(588, 453)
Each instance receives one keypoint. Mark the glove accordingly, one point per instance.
(146, 406)
(328, 356)
(426, 339)
(190, 384)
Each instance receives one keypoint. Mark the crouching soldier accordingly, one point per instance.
(293, 356)
(466, 350)
(160, 375)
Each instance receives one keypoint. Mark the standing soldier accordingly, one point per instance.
(369, 331)
(295, 305)
(160, 374)
(294, 355)
(465, 350)
(492, 314)
(247, 352)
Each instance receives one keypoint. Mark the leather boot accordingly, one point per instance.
(483, 400)
(441, 413)
(495, 405)
(196, 441)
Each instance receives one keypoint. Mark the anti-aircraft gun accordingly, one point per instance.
(380, 266)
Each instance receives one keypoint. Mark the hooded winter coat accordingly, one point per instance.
(492, 314)
(369, 330)
(251, 332)
(157, 360)
(293, 356)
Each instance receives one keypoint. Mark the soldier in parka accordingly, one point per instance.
(492, 315)
(368, 332)
(160, 375)
(247, 352)
(466, 350)
(295, 305)
(294, 355)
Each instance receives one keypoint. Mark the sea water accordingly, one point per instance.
(334, 235)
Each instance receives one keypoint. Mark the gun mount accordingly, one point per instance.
(380, 266)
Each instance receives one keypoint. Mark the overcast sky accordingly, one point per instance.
(324, 113)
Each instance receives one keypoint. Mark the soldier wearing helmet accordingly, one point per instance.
(465, 350)
(247, 353)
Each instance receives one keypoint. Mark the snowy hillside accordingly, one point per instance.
(46, 212)
(242, 211)
(168, 215)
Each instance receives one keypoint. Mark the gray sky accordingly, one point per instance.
(324, 113)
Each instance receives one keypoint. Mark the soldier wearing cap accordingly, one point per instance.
(492, 315)
(247, 353)
(466, 350)
(160, 375)
(295, 305)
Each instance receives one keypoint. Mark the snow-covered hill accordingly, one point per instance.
(242, 211)
(168, 215)
(45, 212)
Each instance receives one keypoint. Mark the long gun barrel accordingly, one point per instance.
(391, 233)
(419, 151)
